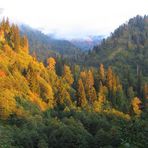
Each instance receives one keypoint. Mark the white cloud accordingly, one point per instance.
(74, 18)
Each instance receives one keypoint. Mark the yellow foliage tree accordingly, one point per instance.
(24, 44)
(32, 77)
(62, 95)
(67, 75)
(83, 76)
(81, 97)
(46, 92)
(7, 103)
(51, 64)
(90, 79)
(109, 78)
(136, 106)
(145, 91)
(102, 72)
(100, 102)
(16, 37)
(2, 37)
(89, 88)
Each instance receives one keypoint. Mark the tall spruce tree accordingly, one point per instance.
(16, 37)
(81, 97)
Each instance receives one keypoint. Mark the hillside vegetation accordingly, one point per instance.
(126, 48)
(44, 46)
(78, 108)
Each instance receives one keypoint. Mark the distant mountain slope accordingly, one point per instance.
(45, 46)
(126, 48)
(88, 43)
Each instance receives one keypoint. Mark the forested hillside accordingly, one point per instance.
(126, 48)
(80, 107)
(45, 46)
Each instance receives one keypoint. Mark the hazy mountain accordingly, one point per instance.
(87, 43)
(45, 45)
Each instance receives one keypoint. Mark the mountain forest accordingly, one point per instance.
(56, 98)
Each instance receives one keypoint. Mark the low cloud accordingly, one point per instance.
(1, 10)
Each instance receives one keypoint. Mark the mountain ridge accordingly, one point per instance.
(127, 47)
(87, 43)
(45, 45)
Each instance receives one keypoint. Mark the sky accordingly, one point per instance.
(73, 18)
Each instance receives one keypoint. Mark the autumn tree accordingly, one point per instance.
(101, 101)
(145, 91)
(7, 103)
(62, 95)
(51, 64)
(67, 75)
(103, 91)
(89, 88)
(46, 92)
(5, 25)
(109, 78)
(145, 95)
(16, 37)
(90, 78)
(81, 97)
(116, 90)
(116, 94)
(2, 36)
(5, 31)
(32, 77)
(136, 102)
(25, 44)
(83, 75)
(102, 72)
